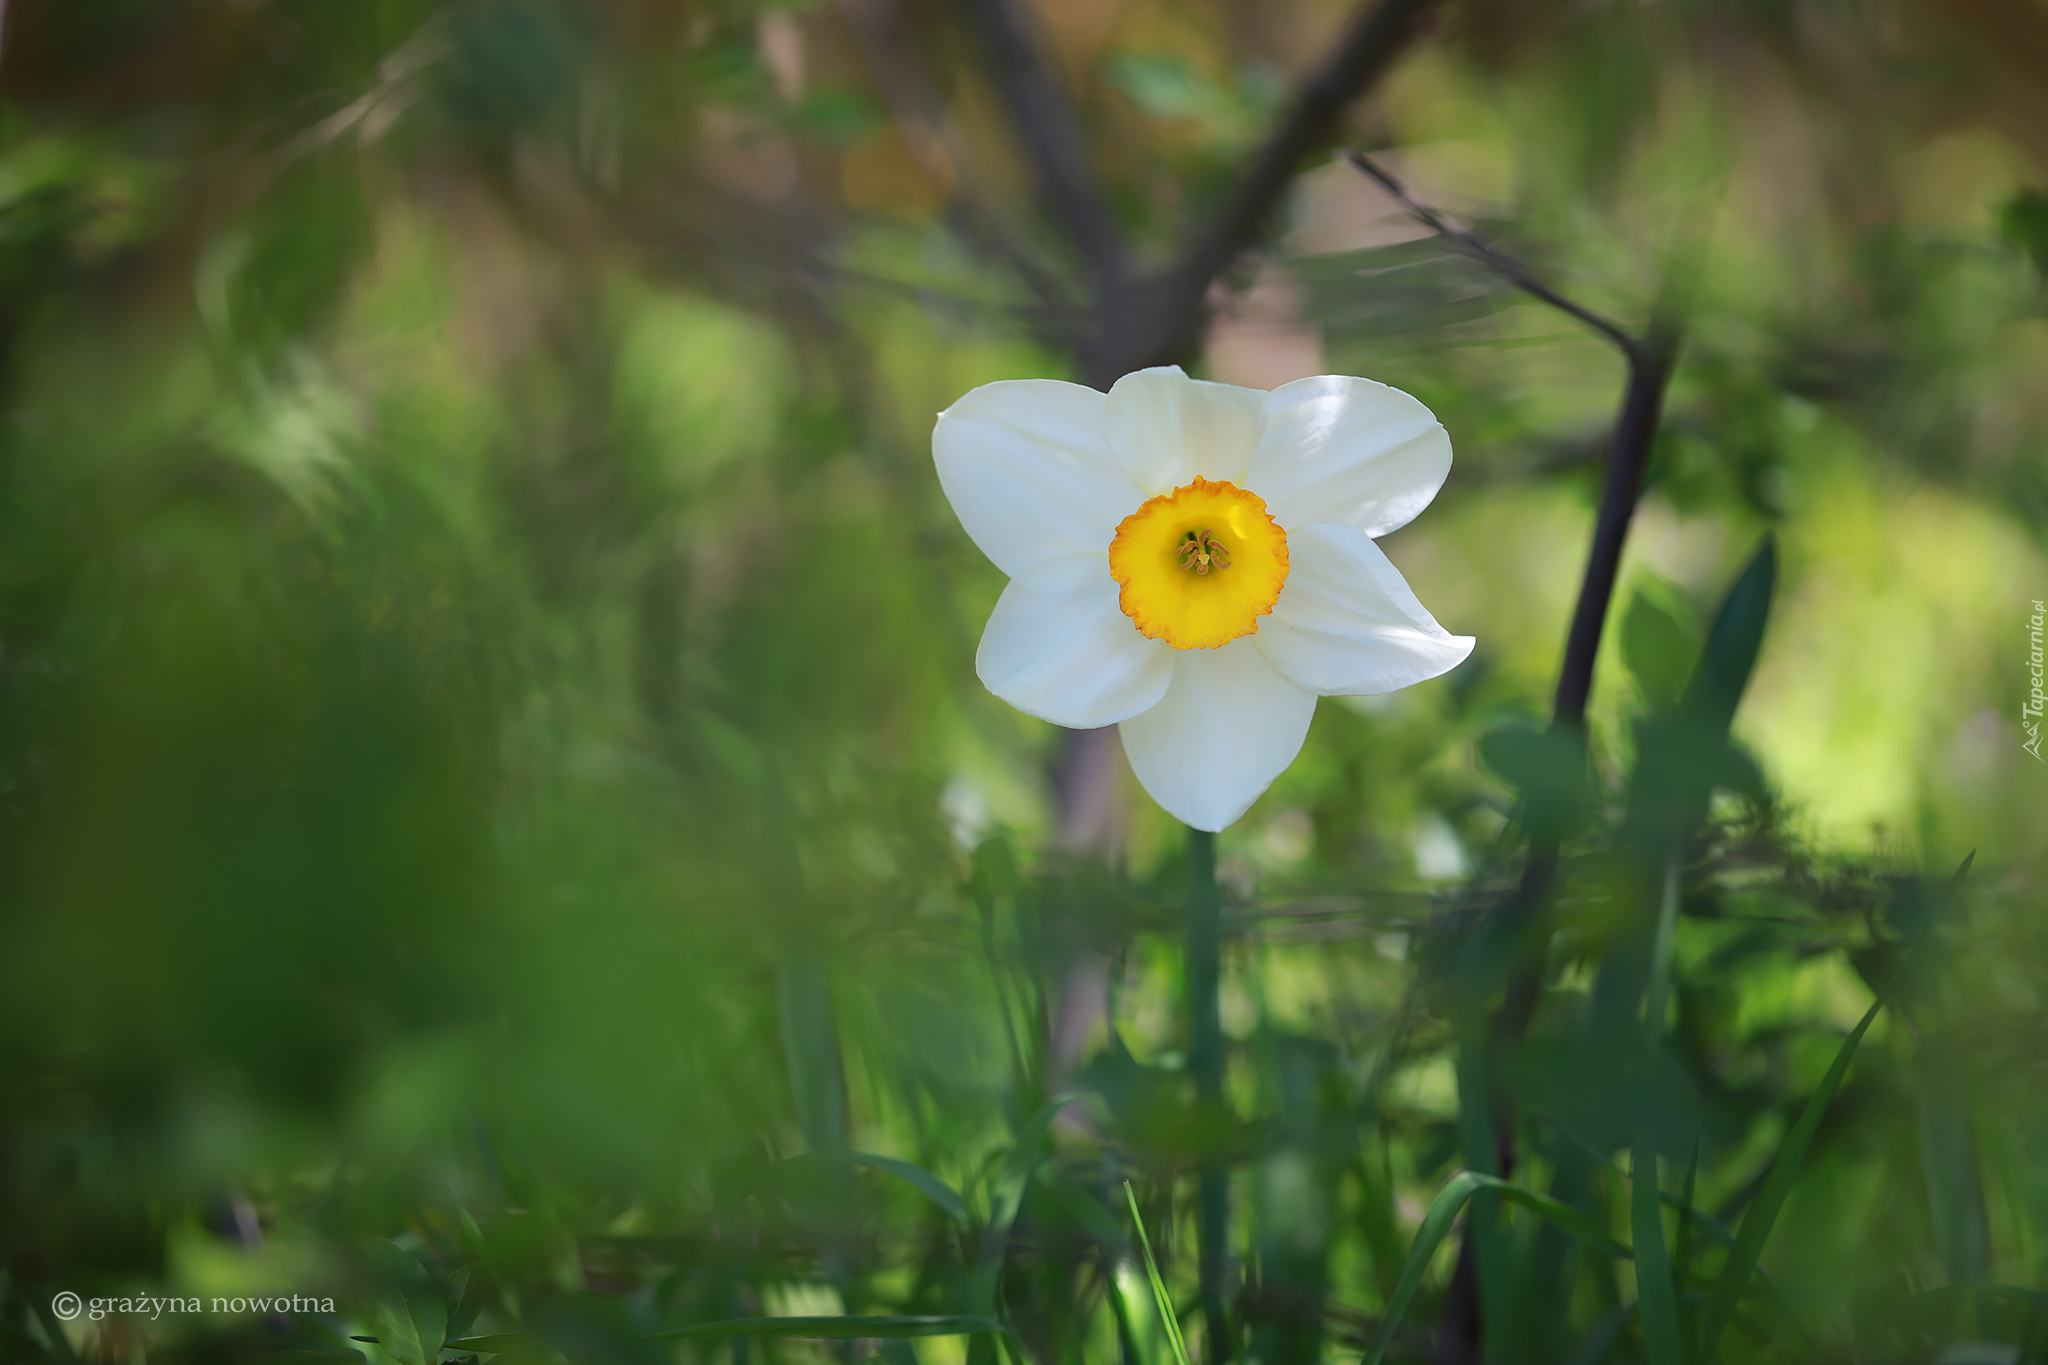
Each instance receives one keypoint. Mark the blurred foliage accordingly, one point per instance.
(499, 830)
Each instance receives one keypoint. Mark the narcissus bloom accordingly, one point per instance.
(1194, 563)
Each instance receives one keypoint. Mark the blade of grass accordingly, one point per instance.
(1756, 1223)
(1134, 1327)
(1006, 1195)
(1698, 1218)
(1687, 1215)
(1376, 1212)
(1160, 1297)
(1656, 1295)
(1719, 1230)
(53, 1328)
(918, 1178)
(1685, 1242)
(1568, 1219)
(1598, 1344)
(1436, 1225)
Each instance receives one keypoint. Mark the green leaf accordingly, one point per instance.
(466, 1291)
(1756, 1224)
(410, 1315)
(1658, 639)
(2024, 220)
(838, 1328)
(1532, 760)
(1546, 767)
(917, 1177)
(1162, 1300)
(1729, 656)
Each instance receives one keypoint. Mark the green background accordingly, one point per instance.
(492, 774)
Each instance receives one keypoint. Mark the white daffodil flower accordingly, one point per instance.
(1194, 562)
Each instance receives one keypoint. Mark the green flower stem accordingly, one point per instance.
(1205, 1060)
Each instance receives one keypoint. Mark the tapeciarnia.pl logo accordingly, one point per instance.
(2030, 714)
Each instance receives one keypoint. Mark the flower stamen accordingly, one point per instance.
(1201, 551)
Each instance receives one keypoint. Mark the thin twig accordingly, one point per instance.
(1504, 265)
(1052, 139)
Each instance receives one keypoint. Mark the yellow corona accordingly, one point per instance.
(1199, 566)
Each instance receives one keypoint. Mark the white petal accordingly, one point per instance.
(1024, 464)
(1342, 449)
(1059, 647)
(1167, 429)
(1227, 727)
(1347, 623)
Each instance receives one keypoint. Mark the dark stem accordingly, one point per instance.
(1649, 362)
(1635, 431)
(1205, 1061)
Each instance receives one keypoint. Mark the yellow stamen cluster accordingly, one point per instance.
(1201, 551)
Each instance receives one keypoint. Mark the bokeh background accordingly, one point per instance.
(492, 775)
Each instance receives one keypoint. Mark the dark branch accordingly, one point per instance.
(1169, 320)
(1052, 140)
